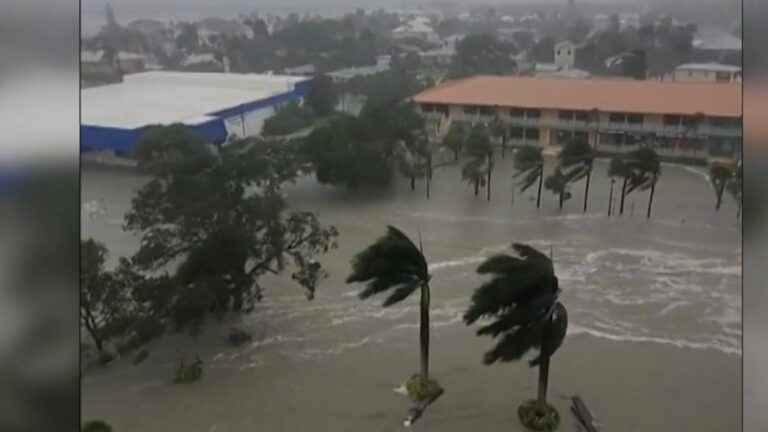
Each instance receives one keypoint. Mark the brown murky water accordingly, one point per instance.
(654, 335)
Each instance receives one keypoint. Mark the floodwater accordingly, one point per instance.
(654, 338)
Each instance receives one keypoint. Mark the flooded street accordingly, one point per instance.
(654, 337)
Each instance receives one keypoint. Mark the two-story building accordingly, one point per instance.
(694, 119)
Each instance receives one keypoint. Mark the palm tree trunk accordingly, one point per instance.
(610, 198)
(560, 198)
(541, 182)
(720, 191)
(503, 145)
(424, 331)
(413, 183)
(490, 169)
(586, 190)
(623, 195)
(477, 186)
(543, 380)
(650, 199)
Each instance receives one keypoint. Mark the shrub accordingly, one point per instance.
(188, 373)
(420, 390)
(288, 119)
(537, 417)
(96, 426)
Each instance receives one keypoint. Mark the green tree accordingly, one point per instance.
(221, 221)
(557, 182)
(105, 304)
(394, 265)
(645, 165)
(735, 187)
(483, 54)
(414, 157)
(454, 140)
(529, 164)
(618, 168)
(322, 95)
(188, 38)
(501, 131)
(521, 298)
(577, 158)
(479, 168)
(288, 119)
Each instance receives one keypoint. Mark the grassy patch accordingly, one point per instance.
(538, 417)
(421, 390)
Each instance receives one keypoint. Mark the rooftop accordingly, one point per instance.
(631, 96)
(161, 97)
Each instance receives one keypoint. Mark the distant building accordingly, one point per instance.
(717, 46)
(677, 119)
(565, 54)
(711, 72)
(213, 105)
(203, 62)
(303, 70)
(438, 57)
(126, 62)
(418, 28)
(346, 74)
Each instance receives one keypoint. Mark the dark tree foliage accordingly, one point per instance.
(544, 50)
(188, 38)
(455, 139)
(521, 301)
(639, 170)
(577, 159)
(395, 266)
(289, 119)
(483, 54)
(219, 221)
(720, 176)
(529, 164)
(105, 304)
(557, 182)
(479, 149)
(322, 95)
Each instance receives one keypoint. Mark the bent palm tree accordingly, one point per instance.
(557, 182)
(618, 168)
(719, 176)
(734, 188)
(500, 130)
(578, 158)
(521, 300)
(481, 165)
(645, 166)
(393, 264)
(529, 164)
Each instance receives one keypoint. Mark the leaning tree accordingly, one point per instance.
(720, 176)
(577, 159)
(521, 302)
(477, 171)
(396, 266)
(557, 182)
(529, 164)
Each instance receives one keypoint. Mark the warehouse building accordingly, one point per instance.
(214, 105)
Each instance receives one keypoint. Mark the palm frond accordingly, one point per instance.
(514, 345)
(521, 315)
(554, 334)
(500, 264)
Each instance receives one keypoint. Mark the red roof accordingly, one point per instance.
(607, 95)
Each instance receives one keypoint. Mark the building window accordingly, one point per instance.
(635, 119)
(618, 118)
(565, 115)
(485, 110)
(532, 134)
(671, 120)
(516, 112)
(581, 116)
(532, 113)
(472, 110)
(581, 136)
(516, 133)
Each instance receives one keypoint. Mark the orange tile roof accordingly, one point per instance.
(607, 95)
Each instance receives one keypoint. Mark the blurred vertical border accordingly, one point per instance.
(39, 215)
(755, 235)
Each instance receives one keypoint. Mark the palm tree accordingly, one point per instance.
(529, 164)
(454, 139)
(735, 188)
(522, 300)
(719, 176)
(645, 166)
(579, 157)
(393, 264)
(594, 121)
(481, 151)
(500, 131)
(413, 158)
(618, 168)
(557, 182)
